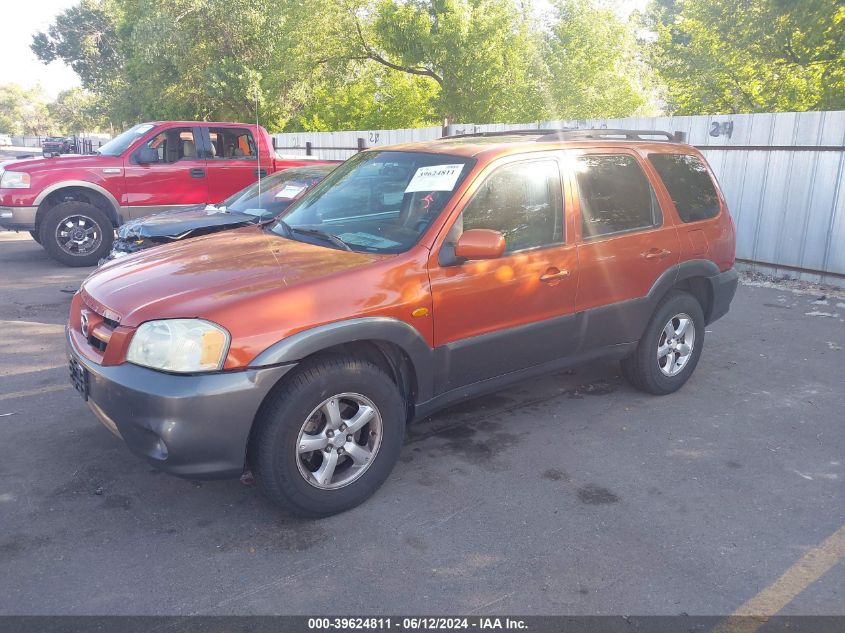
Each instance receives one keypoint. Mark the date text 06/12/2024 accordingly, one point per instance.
(414, 624)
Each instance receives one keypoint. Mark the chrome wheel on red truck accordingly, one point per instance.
(76, 234)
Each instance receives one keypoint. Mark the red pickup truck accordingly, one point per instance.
(71, 204)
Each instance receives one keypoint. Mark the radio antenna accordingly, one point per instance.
(258, 146)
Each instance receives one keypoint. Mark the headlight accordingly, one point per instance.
(179, 345)
(14, 180)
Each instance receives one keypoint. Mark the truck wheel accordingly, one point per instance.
(76, 234)
(35, 236)
(329, 437)
(670, 348)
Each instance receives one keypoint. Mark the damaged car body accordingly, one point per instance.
(259, 203)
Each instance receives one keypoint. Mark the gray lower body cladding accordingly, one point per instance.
(189, 425)
(199, 425)
(723, 288)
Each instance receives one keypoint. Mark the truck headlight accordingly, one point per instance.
(179, 345)
(14, 180)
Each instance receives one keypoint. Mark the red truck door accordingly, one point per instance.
(232, 157)
(177, 177)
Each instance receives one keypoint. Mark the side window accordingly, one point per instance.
(230, 143)
(174, 144)
(523, 202)
(689, 185)
(615, 195)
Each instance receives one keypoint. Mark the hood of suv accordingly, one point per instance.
(200, 276)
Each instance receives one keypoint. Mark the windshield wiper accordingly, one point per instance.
(286, 230)
(327, 237)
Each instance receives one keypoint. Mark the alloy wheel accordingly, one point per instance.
(675, 345)
(339, 440)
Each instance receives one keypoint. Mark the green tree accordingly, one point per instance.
(484, 55)
(718, 56)
(150, 59)
(345, 63)
(23, 112)
(594, 65)
(366, 96)
(84, 37)
(77, 111)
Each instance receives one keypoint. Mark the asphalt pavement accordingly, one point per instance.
(569, 494)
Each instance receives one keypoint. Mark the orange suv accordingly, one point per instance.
(411, 278)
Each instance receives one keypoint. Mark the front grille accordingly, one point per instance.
(100, 330)
(97, 344)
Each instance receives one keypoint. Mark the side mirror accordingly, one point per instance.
(146, 155)
(480, 244)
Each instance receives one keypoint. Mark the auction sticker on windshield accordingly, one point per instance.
(435, 178)
(291, 191)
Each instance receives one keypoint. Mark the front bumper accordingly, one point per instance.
(18, 218)
(193, 426)
(723, 288)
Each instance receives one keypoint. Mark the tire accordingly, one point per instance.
(35, 235)
(95, 239)
(289, 476)
(646, 369)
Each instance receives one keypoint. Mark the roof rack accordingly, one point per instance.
(572, 134)
(633, 135)
(523, 132)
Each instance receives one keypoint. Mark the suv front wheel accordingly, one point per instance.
(76, 234)
(329, 437)
(670, 348)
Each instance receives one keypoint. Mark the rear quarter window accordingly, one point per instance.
(689, 185)
(615, 195)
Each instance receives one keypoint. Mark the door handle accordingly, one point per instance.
(553, 274)
(259, 173)
(197, 172)
(655, 254)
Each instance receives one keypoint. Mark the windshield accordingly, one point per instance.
(119, 143)
(377, 201)
(278, 191)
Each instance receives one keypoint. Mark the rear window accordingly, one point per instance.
(689, 185)
(232, 143)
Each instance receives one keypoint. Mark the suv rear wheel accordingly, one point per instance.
(670, 348)
(76, 234)
(329, 437)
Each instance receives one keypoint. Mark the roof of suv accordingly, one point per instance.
(516, 141)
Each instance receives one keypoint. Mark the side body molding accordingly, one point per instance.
(307, 342)
(625, 322)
